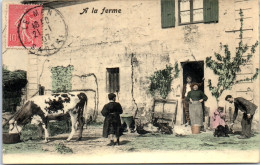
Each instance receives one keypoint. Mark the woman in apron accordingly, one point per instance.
(195, 98)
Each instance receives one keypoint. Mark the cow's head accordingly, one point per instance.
(14, 127)
(22, 117)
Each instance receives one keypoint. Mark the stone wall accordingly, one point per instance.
(134, 41)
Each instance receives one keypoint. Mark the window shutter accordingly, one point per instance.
(210, 10)
(168, 13)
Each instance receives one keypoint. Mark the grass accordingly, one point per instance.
(31, 132)
(204, 141)
(131, 142)
(22, 148)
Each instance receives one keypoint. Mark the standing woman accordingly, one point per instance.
(186, 88)
(195, 98)
(112, 123)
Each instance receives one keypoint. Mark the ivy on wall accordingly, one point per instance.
(227, 68)
(160, 81)
(61, 78)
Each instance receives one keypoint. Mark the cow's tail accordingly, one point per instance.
(83, 109)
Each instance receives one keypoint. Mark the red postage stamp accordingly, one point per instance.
(24, 26)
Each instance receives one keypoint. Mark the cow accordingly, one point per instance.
(41, 109)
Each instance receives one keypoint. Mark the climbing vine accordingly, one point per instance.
(160, 81)
(61, 78)
(227, 68)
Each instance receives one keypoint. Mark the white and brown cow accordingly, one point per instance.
(40, 110)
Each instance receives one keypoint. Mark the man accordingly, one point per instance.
(248, 109)
(112, 123)
(186, 89)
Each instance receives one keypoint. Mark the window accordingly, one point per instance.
(189, 11)
(112, 80)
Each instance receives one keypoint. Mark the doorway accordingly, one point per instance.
(195, 70)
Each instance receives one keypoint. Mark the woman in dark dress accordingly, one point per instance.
(195, 98)
(112, 123)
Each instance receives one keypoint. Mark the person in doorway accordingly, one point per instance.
(185, 90)
(195, 99)
(112, 122)
(248, 109)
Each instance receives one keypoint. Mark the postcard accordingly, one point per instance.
(119, 81)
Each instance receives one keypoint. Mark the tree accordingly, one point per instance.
(227, 68)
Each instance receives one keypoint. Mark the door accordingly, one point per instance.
(195, 70)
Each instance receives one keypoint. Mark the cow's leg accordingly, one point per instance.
(81, 124)
(73, 118)
(46, 132)
(40, 129)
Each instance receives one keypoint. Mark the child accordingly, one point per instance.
(112, 123)
(219, 124)
(218, 118)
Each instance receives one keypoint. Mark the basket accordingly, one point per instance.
(11, 138)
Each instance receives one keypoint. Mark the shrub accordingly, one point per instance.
(13, 83)
(161, 81)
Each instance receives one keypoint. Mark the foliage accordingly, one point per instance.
(59, 127)
(61, 78)
(14, 80)
(227, 68)
(13, 83)
(161, 81)
(61, 148)
(30, 132)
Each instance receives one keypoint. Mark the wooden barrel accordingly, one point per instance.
(195, 129)
(11, 138)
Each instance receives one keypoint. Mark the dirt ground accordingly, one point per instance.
(148, 145)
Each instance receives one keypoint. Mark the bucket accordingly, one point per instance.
(128, 119)
(195, 129)
(11, 138)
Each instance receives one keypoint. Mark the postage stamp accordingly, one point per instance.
(40, 30)
(24, 26)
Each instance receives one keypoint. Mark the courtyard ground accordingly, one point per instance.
(134, 148)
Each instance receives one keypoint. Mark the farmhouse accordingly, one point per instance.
(119, 52)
